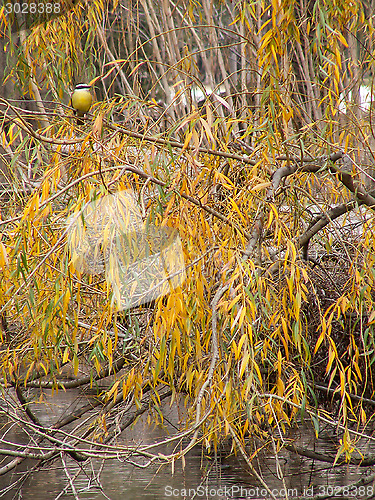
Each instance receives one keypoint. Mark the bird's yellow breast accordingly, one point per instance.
(81, 100)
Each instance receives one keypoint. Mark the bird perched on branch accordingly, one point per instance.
(81, 101)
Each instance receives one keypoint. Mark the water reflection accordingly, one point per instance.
(207, 477)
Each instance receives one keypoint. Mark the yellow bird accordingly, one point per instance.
(81, 100)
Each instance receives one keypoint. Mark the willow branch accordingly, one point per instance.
(313, 455)
(180, 145)
(70, 384)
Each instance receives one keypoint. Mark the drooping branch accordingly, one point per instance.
(58, 446)
(130, 419)
(214, 347)
(361, 462)
(344, 176)
(255, 238)
(321, 221)
(361, 196)
(299, 166)
(354, 187)
(62, 422)
(78, 382)
(285, 171)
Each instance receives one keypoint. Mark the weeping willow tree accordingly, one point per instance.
(246, 131)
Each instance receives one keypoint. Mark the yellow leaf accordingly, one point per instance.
(258, 371)
(187, 140)
(280, 387)
(342, 39)
(235, 349)
(321, 336)
(66, 300)
(66, 355)
(279, 362)
(209, 115)
(240, 317)
(270, 219)
(260, 186)
(244, 363)
(241, 342)
(234, 301)
(285, 328)
(187, 119)
(31, 367)
(371, 318)
(331, 357)
(113, 390)
(45, 190)
(76, 364)
(4, 261)
(207, 129)
(98, 126)
(342, 383)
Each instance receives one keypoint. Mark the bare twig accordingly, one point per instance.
(248, 462)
